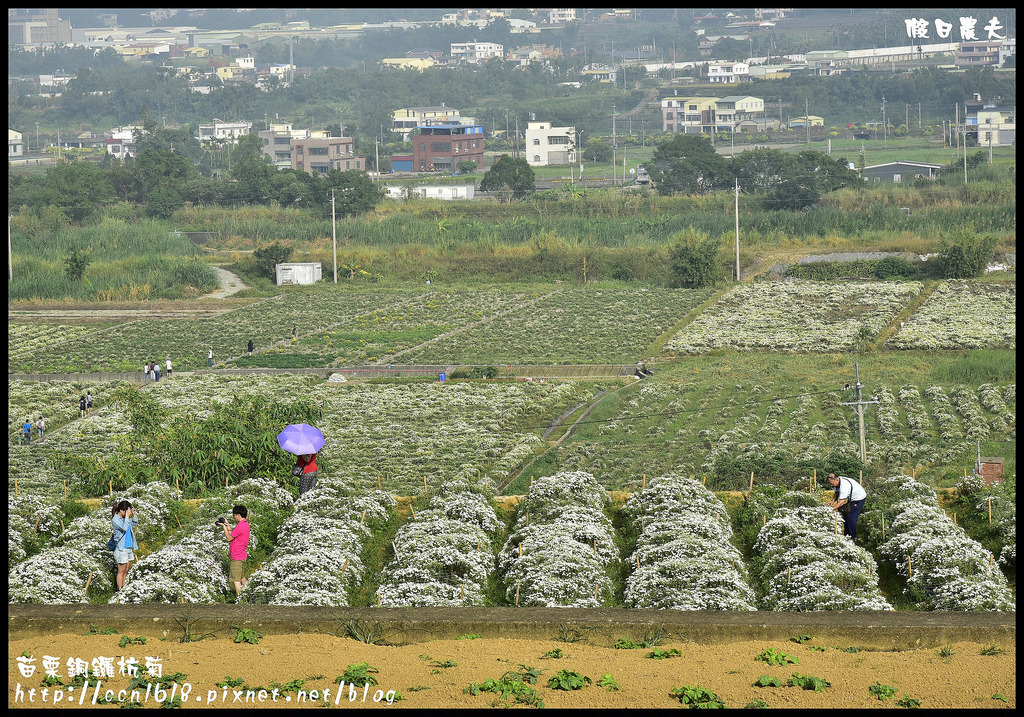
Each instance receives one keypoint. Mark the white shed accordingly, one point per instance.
(299, 273)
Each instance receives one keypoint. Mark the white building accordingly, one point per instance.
(223, 131)
(15, 147)
(299, 273)
(472, 52)
(448, 192)
(726, 72)
(561, 15)
(549, 145)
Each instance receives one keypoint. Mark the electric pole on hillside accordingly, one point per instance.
(860, 412)
(334, 237)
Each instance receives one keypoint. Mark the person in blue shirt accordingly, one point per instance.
(27, 428)
(124, 519)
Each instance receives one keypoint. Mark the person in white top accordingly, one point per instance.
(848, 492)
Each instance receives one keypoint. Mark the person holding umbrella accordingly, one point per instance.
(304, 441)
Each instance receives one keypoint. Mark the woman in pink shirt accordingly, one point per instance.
(238, 539)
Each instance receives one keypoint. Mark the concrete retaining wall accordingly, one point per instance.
(872, 630)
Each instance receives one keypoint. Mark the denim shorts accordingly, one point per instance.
(124, 556)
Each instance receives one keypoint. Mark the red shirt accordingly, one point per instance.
(307, 467)
(239, 541)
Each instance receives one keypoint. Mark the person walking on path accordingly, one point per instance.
(27, 429)
(156, 371)
(294, 332)
(124, 519)
(209, 358)
(145, 372)
(81, 405)
(305, 468)
(238, 544)
(88, 402)
(251, 346)
(41, 427)
(848, 500)
(169, 367)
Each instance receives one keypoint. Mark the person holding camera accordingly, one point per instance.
(848, 500)
(124, 519)
(305, 468)
(238, 539)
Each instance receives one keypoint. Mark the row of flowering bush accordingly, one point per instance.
(944, 568)
(192, 569)
(317, 560)
(561, 551)
(803, 561)
(76, 565)
(684, 558)
(444, 555)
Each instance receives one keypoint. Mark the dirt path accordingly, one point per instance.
(434, 674)
(230, 283)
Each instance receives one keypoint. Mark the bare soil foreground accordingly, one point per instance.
(433, 673)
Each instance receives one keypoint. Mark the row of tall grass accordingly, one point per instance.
(127, 261)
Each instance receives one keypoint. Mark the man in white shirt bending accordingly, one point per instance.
(848, 493)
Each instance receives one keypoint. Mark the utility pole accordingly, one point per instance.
(919, 115)
(737, 212)
(860, 413)
(334, 238)
(10, 254)
(613, 144)
(885, 126)
(807, 124)
(965, 144)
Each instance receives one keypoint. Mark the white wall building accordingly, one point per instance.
(223, 131)
(299, 273)
(15, 146)
(561, 15)
(725, 72)
(549, 145)
(472, 52)
(448, 192)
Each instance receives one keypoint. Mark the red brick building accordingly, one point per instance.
(441, 147)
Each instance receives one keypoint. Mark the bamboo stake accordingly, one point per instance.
(87, 584)
(527, 519)
(363, 519)
(595, 547)
(177, 521)
(531, 480)
(65, 489)
(883, 526)
(789, 575)
(111, 487)
(517, 593)
(15, 487)
(990, 510)
(413, 509)
(910, 569)
(462, 593)
(378, 599)
(378, 483)
(37, 523)
(637, 561)
(344, 566)
(595, 592)
(704, 480)
(954, 518)
(751, 481)
(814, 480)
(644, 484)
(424, 483)
(990, 559)
(520, 550)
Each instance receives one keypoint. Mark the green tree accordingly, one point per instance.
(596, 150)
(511, 178)
(694, 262)
(354, 192)
(75, 264)
(964, 254)
(248, 167)
(267, 259)
(688, 164)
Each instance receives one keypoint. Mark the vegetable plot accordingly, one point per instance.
(684, 559)
(944, 569)
(561, 551)
(443, 556)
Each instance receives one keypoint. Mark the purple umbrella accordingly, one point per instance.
(300, 439)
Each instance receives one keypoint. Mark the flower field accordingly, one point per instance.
(962, 315)
(568, 326)
(791, 317)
